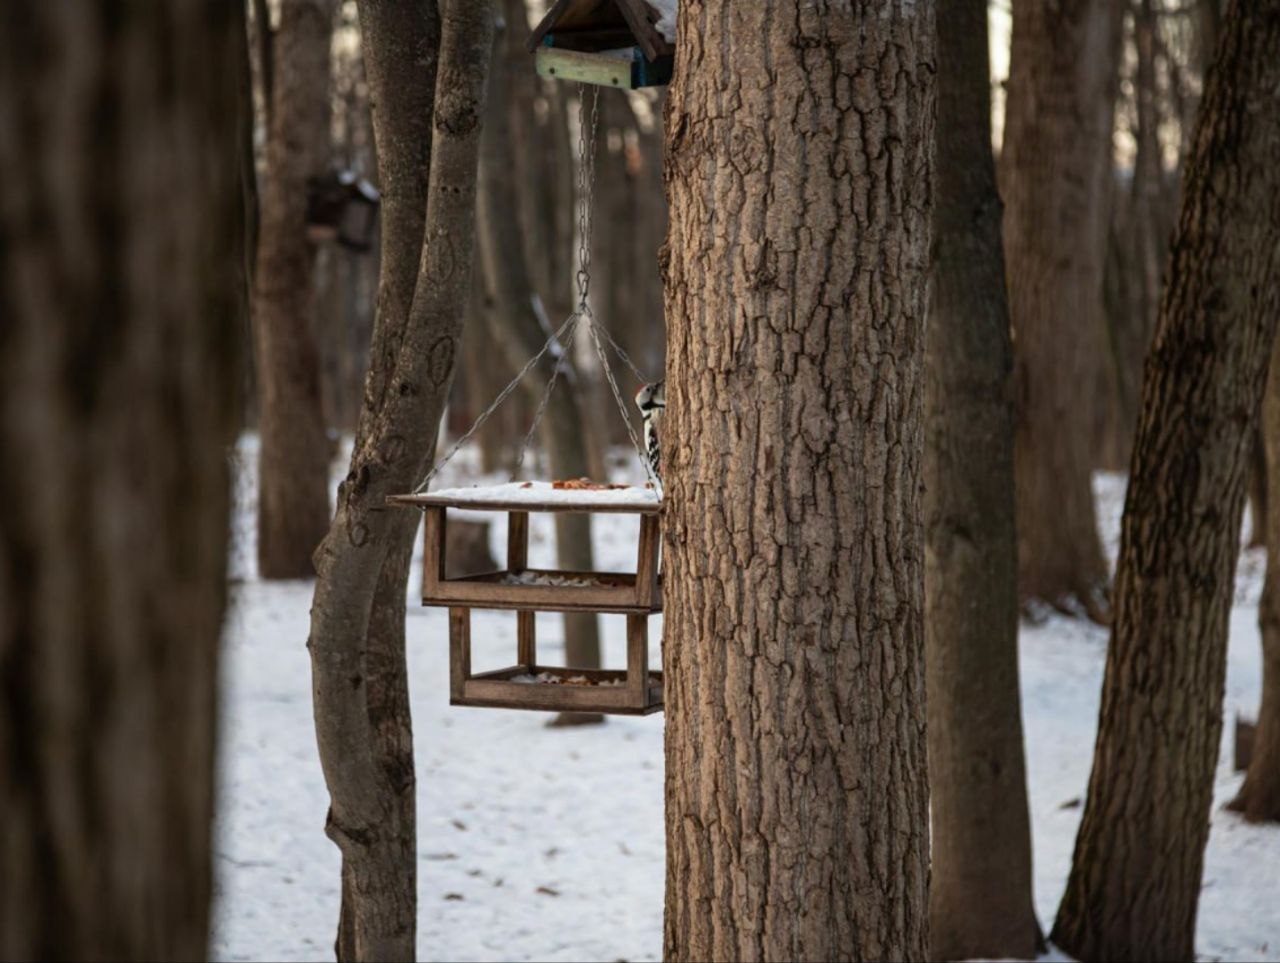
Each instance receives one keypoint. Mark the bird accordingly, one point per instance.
(651, 399)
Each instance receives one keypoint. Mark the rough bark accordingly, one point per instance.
(293, 466)
(517, 331)
(1135, 878)
(1259, 796)
(122, 294)
(800, 169)
(1055, 174)
(357, 620)
(980, 895)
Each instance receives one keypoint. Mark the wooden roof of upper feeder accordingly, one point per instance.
(595, 25)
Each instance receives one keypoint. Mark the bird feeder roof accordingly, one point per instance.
(594, 25)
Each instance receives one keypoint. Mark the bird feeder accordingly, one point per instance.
(612, 43)
(342, 207)
(529, 683)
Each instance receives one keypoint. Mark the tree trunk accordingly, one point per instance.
(980, 895)
(293, 467)
(1055, 174)
(800, 170)
(517, 330)
(122, 294)
(1259, 797)
(1135, 878)
(357, 620)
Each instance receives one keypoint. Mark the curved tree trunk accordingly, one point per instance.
(1055, 176)
(293, 467)
(357, 620)
(519, 333)
(800, 172)
(1135, 878)
(122, 306)
(980, 893)
(1259, 797)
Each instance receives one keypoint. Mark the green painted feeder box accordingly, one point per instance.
(610, 43)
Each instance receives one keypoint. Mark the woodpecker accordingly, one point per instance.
(652, 402)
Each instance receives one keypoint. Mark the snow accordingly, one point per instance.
(546, 678)
(546, 578)
(543, 493)
(666, 25)
(547, 844)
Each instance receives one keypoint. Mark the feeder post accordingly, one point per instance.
(638, 660)
(433, 541)
(647, 561)
(517, 541)
(460, 651)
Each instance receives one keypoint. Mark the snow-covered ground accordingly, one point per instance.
(547, 844)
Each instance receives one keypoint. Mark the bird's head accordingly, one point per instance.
(652, 396)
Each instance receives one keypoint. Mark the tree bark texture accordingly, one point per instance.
(800, 171)
(516, 330)
(1135, 878)
(980, 892)
(427, 82)
(293, 466)
(1259, 796)
(122, 294)
(1055, 174)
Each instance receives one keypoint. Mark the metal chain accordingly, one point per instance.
(561, 364)
(588, 125)
(502, 396)
(622, 407)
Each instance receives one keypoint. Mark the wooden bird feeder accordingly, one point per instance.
(529, 684)
(612, 43)
(342, 207)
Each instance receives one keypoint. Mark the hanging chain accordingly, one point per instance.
(562, 359)
(588, 125)
(554, 340)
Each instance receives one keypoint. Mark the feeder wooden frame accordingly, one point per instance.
(635, 691)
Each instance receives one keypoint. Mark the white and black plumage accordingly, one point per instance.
(652, 402)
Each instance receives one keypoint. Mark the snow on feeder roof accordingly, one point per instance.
(613, 43)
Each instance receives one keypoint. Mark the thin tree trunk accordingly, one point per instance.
(518, 332)
(1055, 177)
(357, 620)
(122, 294)
(1135, 878)
(796, 784)
(980, 895)
(293, 487)
(1259, 797)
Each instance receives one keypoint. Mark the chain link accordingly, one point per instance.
(587, 128)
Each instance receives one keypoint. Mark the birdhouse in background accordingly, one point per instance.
(342, 207)
(613, 43)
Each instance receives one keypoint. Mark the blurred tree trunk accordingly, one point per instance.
(514, 326)
(1259, 797)
(795, 743)
(1055, 177)
(1135, 879)
(363, 725)
(123, 295)
(980, 895)
(293, 488)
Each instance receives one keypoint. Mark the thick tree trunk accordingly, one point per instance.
(1055, 175)
(357, 618)
(293, 467)
(122, 294)
(1259, 797)
(980, 895)
(1135, 878)
(800, 172)
(518, 332)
